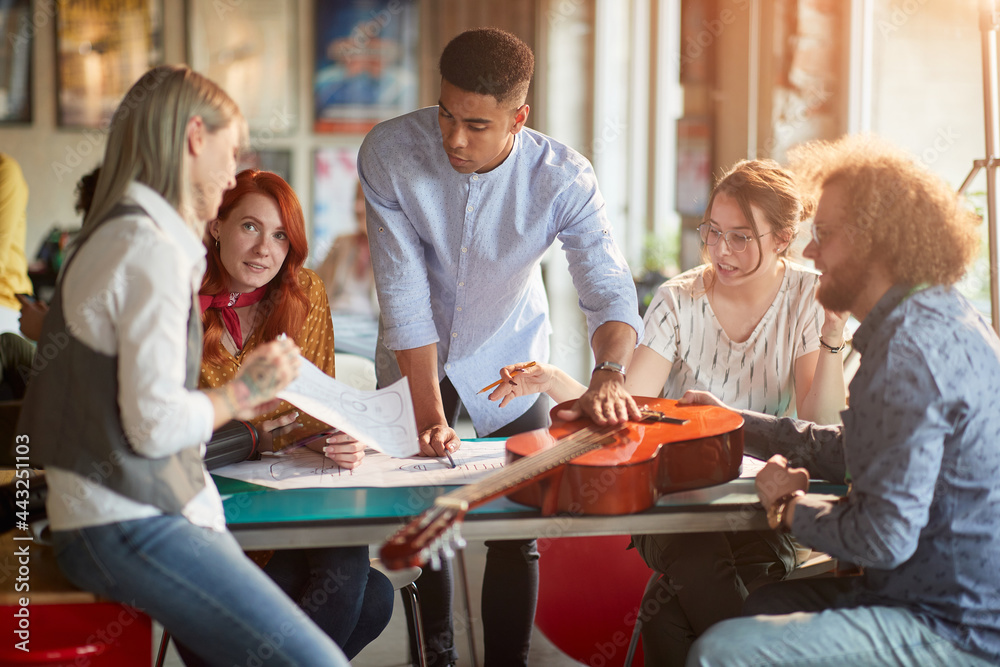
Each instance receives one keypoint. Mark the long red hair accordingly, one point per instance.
(285, 304)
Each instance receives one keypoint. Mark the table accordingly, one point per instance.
(262, 518)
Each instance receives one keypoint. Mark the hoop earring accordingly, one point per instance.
(216, 242)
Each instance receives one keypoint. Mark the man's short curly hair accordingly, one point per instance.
(921, 230)
(489, 61)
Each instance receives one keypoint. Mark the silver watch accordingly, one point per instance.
(609, 366)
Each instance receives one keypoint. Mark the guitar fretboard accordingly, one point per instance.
(566, 449)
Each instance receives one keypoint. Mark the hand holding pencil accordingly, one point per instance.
(519, 380)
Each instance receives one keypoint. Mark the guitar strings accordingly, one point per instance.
(565, 449)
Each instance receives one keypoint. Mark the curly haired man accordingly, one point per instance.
(918, 446)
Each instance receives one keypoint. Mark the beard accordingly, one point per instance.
(839, 287)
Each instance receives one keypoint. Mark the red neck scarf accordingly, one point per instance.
(226, 303)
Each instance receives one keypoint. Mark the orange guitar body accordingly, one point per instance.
(580, 468)
(647, 460)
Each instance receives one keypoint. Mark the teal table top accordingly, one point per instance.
(247, 503)
(262, 517)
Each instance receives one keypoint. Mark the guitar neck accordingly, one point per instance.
(530, 468)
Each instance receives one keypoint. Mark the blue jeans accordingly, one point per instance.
(200, 586)
(815, 623)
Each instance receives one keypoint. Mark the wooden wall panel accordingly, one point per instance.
(441, 20)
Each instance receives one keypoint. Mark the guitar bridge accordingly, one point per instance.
(657, 416)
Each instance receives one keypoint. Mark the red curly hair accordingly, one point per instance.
(285, 304)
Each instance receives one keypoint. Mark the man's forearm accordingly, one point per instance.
(819, 449)
(419, 366)
(614, 342)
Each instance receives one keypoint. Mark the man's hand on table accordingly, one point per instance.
(437, 438)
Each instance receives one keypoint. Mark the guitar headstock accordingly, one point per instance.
(423, 538)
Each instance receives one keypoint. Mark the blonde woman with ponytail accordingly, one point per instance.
(115, 416)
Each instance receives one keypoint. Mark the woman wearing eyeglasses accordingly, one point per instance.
(745, 325)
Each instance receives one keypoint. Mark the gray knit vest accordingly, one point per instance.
(72, 420)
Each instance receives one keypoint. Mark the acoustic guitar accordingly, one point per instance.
(578, 467)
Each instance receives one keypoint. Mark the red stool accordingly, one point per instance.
(98, 634)
(589, 594)
(62, 624)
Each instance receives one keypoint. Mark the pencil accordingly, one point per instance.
(450, 460)
(303, 442)
(516, 370)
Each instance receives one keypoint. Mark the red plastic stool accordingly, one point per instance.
(62, 624)
(589, 593)
(96, 634)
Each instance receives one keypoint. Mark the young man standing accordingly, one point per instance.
(919, 443)
(463, 202)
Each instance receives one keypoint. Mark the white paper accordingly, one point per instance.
(306, 469)
(382, 419)
(751, 466)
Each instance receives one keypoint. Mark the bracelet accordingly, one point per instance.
(776, 512)
(609, 366)
(832, 349)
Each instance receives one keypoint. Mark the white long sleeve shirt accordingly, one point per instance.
(128, 292)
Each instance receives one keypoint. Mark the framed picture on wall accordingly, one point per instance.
(366, 63)
(17, 33)
(694, 164)
(102, 48)
(249, 48)
(335, 180)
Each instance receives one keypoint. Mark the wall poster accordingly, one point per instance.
(249, 48)
(17, 33)
(102, 48)
(366, 63)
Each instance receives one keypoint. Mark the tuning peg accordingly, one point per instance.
(447, 551)
(435, 560)
(456, 538)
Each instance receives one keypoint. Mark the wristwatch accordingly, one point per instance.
(776, 512)
(609, 366)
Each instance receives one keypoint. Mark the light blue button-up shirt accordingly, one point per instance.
(457, 256)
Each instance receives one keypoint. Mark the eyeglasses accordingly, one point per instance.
(819, 233)
(737, 241)
(815, 233)
(823, 234)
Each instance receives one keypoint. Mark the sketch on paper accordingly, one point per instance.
(382, 419)
(304, 469)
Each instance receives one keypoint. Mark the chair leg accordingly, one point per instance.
(633, 643)
(161, 653)
(411, 598)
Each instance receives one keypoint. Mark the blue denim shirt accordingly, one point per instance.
(921, 440)
(457, 256)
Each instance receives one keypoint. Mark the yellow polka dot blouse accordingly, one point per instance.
(315, 339)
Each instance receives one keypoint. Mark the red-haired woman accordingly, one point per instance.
(255, 288)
